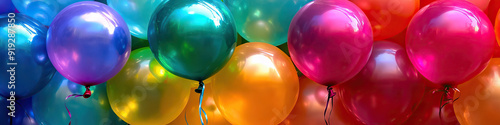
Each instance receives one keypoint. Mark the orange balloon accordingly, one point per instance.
(258, 86)
(479, 103)
(481, 4)
(191, 113)
(388, 17)
(311, 104)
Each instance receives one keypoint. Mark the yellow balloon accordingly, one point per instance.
(139, 98)
(258, 86)
(479, 103)
(191, 113)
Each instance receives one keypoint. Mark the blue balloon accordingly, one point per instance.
(42, 10)
(48, 104)
(33, 69)
(23, 112)
(6, 6)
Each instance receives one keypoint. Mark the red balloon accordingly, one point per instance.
(450, 41)
(311, 104)
(493, 8)
(330, 41)
(427, 113)
(386, 90)
(496, 54)
(388, 17)
(481, 4)
(399, 39)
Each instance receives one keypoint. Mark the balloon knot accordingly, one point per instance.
(200, 87)
(87, 93)
(331, 93)
(447, 98)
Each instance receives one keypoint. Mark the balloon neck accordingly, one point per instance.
(201, 85)
(447, 98)
(331, 93)
(87, 93)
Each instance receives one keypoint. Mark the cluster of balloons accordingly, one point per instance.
(182, 61)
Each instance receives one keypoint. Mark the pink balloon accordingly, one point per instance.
(388, 88)
(450, 41)
(330, 41)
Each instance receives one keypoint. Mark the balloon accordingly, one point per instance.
(24, 56)
(497, 27)
(259, 85)
(49, 105)
(192, 38)
(7, 7)
(386, 90)
(493, 9)
(427, 113)
(399, 39)
(42, 10)
(136, 14)
(478, 104)
(450, 41)
(22, 111)
(496, 54)
(330, 41)
(388, 17)
(482, 4)
(139, 98)
(264, 20)
(191, 112)
(88, 43)
(311, 104)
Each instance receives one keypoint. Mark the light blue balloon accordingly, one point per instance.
(264, 20)
(136, 14)
(48, 104)
(42, 10)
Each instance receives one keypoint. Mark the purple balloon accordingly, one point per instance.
(330, 41)
(450, 41)
(88, 42)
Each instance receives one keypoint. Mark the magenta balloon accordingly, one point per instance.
(88, 43)
(450, 41)
(330, 41)
(388, 88)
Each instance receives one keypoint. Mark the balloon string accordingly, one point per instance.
(87, 94)
(185, 117)
(331, 94)
(449, 99)
(201, 90)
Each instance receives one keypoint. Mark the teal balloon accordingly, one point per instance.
(264, 20)
(42, 10)
(193, 39)
(48, 105)
(136, 14)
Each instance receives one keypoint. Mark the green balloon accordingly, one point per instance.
(193, 39)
